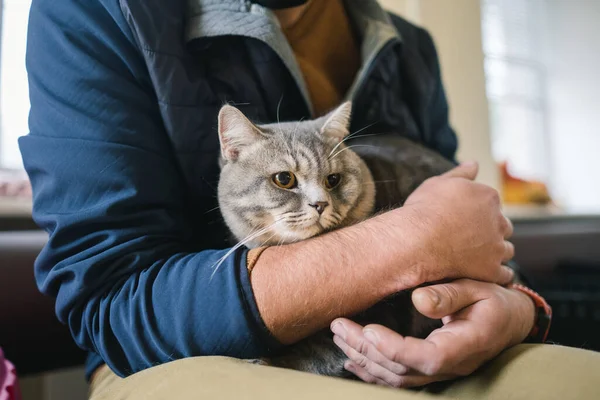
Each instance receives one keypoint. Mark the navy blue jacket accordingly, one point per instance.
(122, 156)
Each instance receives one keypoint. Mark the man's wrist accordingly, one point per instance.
(252, 257)
(402, 268)
(526, 313)
(538, 325)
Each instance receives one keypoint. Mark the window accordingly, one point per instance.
(516, 85)
(542, 72)
(14, 93)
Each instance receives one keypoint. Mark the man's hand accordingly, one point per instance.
(460, 229)
(480, 320)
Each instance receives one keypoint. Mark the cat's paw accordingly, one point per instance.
(258, 361)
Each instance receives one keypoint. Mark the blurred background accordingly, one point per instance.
(522, 78)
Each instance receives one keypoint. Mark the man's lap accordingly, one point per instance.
(523, 372)
(227, 378)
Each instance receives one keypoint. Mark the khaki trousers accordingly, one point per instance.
(523, 372)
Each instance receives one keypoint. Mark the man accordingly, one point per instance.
(122, 156)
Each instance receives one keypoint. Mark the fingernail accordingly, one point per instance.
(349, 366)
(338, 329)
(371, 336)
(510, 273)
(434, 297)
(468, 163)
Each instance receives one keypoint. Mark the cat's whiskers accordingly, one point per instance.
(299, 223)
(278, 107)
(297, 219)
(267, 239)
(279, 126)
(293, 217)
(292, 214)
(294, 134)
(350, 147)
(212, 209)
(350, 136)
(241, 243)
(282, 239)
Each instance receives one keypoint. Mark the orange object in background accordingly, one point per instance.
(516, 191)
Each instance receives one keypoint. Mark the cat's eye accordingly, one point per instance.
(332, 180)
(285, 180)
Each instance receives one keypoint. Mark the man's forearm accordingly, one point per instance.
(300, 288)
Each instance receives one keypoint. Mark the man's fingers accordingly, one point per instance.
(406, 381)
(408, 351)
(468, 170)
(438, 301)
(505, 275)
(508, 228)
(388, 377)
(363, 373)
(509, 251)
(355, 344)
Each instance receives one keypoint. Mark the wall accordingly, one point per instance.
(456, 29)
(573, 70)
(409, 9)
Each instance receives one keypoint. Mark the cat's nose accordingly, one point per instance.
(319, 206)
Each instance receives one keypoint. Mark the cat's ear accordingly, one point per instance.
(337, 122)
(235, 132)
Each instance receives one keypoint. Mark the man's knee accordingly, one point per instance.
(535, 371)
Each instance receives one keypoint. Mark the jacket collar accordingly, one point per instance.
(210, 18)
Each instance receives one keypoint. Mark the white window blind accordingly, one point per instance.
(14, 92)
(516, 85)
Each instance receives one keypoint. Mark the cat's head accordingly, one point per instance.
(289, 181)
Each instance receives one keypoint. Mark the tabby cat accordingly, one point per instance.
(286, 182)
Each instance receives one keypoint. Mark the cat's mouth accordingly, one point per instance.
(297, 226)
(290, 232)
(312, 227)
